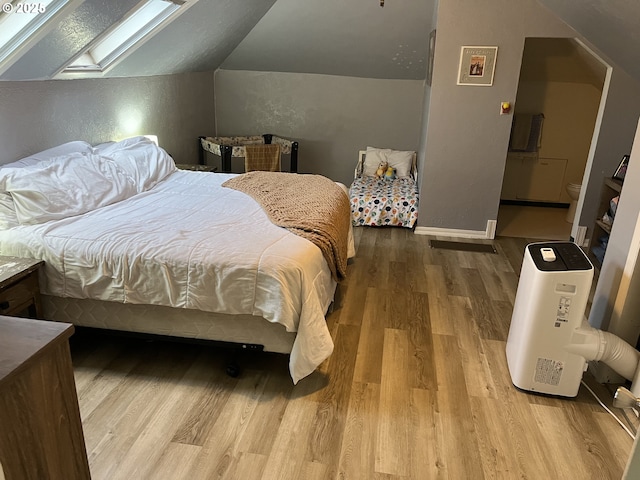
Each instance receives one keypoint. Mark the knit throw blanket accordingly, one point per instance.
(311, 206)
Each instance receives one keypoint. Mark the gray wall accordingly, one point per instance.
(619, 120)
(331, 117)
(616, 138)
(466, 139)
(38, 115)
(616, 303)
(424, 123)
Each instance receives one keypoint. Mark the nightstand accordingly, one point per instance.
(196, 167)
(19, 287)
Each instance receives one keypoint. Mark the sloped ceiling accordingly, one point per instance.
(198, 40)
(610, 25)
(560, 60)
(336, 37)
(72, 32)
(355, 38)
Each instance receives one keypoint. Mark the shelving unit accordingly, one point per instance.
(597, 247)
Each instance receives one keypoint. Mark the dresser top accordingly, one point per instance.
(22, 340)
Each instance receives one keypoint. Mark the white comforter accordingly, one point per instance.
(188, 243)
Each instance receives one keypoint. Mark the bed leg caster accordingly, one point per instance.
(233, 370)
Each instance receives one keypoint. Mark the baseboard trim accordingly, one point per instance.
(488, 234)
(491, 229)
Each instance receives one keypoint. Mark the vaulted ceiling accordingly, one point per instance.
(355, 38)
(198, 40)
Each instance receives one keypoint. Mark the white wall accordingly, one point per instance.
(41, 114)
(331, 117)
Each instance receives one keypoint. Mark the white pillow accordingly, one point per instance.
(58, 151)
(401, 161)
(372, 160)
(398, 159)
(144, 161)
(8, 218)
(65, 186)
(107, 148)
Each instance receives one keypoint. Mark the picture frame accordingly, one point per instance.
(621, 171)
(432, 50)
(477, 65)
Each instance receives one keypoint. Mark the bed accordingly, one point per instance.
(232, 150)
(382, 201)
(131, 243)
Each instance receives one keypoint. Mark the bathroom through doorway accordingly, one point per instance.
(559, 93)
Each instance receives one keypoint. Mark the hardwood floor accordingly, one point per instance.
(417, 388)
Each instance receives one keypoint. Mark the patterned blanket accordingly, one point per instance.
(311, 206)
(376, 202)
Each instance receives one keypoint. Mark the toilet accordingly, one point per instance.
(573, 189)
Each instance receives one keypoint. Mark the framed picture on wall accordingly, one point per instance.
(477, 66)
(621, 171)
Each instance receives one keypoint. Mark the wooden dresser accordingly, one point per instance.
(41, 435)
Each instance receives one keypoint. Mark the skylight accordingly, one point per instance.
(19, 22)
(120, 40)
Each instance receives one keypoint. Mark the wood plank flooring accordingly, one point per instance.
(417, 388)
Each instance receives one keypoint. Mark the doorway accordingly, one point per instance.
(563, 82)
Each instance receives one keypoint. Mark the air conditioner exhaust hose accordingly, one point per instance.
(594, 344)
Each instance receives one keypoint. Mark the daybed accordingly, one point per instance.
(380, 201)
(131, 243)
(231, 150)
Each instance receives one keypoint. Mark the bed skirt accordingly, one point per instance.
(167, 321)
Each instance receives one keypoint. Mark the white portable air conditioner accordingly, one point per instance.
(547, 316)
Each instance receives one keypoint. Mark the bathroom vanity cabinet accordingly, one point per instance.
(529, 177)
(602, 228)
